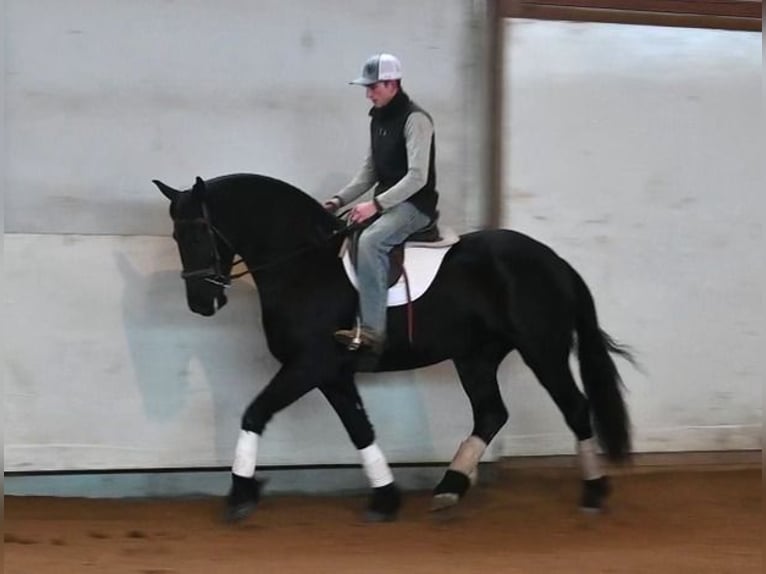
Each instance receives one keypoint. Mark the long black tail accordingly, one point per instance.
(600, 377)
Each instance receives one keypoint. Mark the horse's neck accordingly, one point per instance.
(282, 280)
(269, 236)
(268, 221)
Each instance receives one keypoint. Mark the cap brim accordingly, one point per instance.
(362, 82)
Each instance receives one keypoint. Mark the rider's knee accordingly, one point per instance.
(369, 242)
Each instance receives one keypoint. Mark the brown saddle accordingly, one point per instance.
(429, 234)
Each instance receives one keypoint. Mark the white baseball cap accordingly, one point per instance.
(379, 68)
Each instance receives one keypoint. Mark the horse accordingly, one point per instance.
(496, 291)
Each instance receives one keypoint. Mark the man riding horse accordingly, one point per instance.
(400, 164)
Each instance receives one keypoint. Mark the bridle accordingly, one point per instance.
(213, 273)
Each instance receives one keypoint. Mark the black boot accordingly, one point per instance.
(242, 498)
(362, 338)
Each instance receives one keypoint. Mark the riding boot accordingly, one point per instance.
(363, 338)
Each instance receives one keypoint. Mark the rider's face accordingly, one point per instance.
(381, 93)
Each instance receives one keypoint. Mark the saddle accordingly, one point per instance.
(429, 236)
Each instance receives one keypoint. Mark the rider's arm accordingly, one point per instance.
(418, 132)
(362, 182)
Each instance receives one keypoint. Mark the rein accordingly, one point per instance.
(342, 232)
(214, 274)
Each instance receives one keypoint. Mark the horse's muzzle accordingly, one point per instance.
(210, 309)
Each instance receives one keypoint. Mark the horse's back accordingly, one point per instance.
(507, 241)
(524, 271)
(509, 250)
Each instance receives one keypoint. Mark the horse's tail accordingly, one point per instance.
(600, 377)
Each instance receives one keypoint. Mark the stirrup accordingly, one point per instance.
(356, 342)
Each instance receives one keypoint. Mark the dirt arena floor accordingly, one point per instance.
(525, 521)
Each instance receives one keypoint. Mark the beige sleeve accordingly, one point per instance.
(365, 178)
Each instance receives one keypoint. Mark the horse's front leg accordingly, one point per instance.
(385, 499)
(292, 382)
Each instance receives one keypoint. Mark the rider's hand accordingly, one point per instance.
(332, 205)
(363, 211)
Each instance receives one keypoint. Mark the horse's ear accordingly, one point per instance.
(199, 187)
(166, 190)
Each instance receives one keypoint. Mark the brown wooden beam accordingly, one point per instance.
(495, 73)
(737, 8)
(721, 14)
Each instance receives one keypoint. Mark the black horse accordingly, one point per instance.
(496, 291)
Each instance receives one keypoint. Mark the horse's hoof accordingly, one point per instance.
(384, 504)
(373, 517)
(444, 501)
(242, 499)
(450, 490)
(594, 494)
(238, 513)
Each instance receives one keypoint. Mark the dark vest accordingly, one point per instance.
(389, 151)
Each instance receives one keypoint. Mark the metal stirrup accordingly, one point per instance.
(356, 342)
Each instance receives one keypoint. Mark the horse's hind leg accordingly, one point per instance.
(478, 376)
(386, 498)
(554, 374)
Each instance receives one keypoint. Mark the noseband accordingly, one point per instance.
(213, 273)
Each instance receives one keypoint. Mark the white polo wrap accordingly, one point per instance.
(375, 466)
(245, 454)
(587, 452)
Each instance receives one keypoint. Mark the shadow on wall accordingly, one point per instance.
(183, 361)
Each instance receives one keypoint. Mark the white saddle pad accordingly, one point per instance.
(421, 261)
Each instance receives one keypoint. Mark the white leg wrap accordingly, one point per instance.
(375, 466)
(244, 456)
(589, 462)
(468, 455)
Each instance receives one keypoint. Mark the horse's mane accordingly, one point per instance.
(285, 203)
(264, 186)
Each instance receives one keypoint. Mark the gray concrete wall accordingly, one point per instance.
(636, 153)
(103, 96)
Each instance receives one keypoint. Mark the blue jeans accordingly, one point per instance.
(389, 230)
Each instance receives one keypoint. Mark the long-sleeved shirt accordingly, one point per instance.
(418, 132)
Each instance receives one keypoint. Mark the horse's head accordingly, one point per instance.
(205, 256)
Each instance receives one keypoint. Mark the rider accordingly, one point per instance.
(400, 164)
